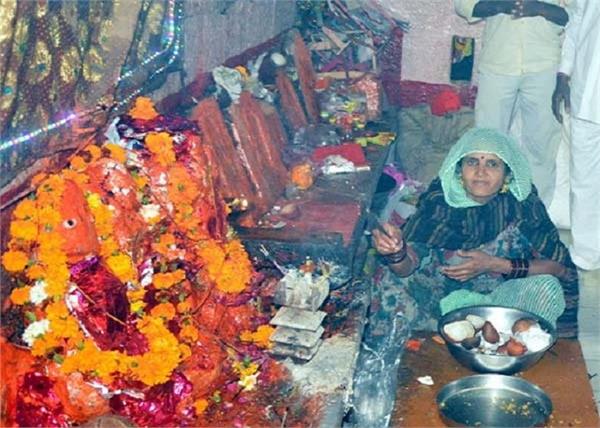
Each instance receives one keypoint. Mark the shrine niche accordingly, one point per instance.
(129, 292)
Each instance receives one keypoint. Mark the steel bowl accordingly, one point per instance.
(502, 318)
(493, 400)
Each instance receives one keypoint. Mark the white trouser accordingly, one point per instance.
(585, 193)
(501, 99)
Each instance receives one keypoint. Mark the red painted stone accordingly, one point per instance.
(290, 104)
(259, 154)
(306, 77)
(233, 176)
(275, 125)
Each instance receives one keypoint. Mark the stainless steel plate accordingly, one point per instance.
(493, 400)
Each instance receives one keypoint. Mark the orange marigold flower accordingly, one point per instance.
(14, 261)
(20, 295)
(200, 406)
(189, 333)
(38, 178)
(168, 279)
(161, 145)
(184, 306)
(79, 178)
(25, 209)
(24, 229)
(44, 344)
(136, 294)
(94, 151)
(49, 215)
(261, 337)
(78, 163)
(165, 310)
(118, 153)
(143, 109)
(35, 272)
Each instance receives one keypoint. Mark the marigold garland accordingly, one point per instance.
(143, 109)
(161, 145)
(36, 256)
(261, 337)
(14, 261)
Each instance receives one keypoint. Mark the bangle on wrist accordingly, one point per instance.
(397, 257)
(519, 269)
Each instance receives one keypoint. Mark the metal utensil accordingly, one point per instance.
(493, 400)
(502, 318)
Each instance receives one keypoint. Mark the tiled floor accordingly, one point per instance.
(589, 321)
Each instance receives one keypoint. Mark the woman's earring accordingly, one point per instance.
(505, 187)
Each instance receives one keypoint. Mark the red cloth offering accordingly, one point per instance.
(351, 151)
(445, 102)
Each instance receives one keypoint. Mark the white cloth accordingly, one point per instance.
(585, 193)
(500, 98)
(581, 58)
(581, 61)
(560, 208)
(515, 46)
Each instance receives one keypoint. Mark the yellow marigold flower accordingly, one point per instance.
(165, 310)
(55, 286)
(94, 200)
(94, 151)
(118, 153)
(44, 344)
(14, 261)
(57, 310)
(136, 294)
(189, 333)
(137, 305)
(161, 145)
(143, 109)
(140, 181)
(25, 209)
(23, 229)
(78, 163)
(122, 266)
(168, 279)
(184, 306)
(20, 295)
(108, 247)
(200, 406)
(245, 369)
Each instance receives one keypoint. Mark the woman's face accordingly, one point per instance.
(483, 175)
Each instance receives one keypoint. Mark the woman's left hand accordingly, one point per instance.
(476, 263)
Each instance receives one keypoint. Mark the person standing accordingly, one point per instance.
(517, 70)
(578, 87)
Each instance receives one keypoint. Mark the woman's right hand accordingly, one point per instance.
(390, 242)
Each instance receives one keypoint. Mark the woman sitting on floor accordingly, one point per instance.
(480, 235)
